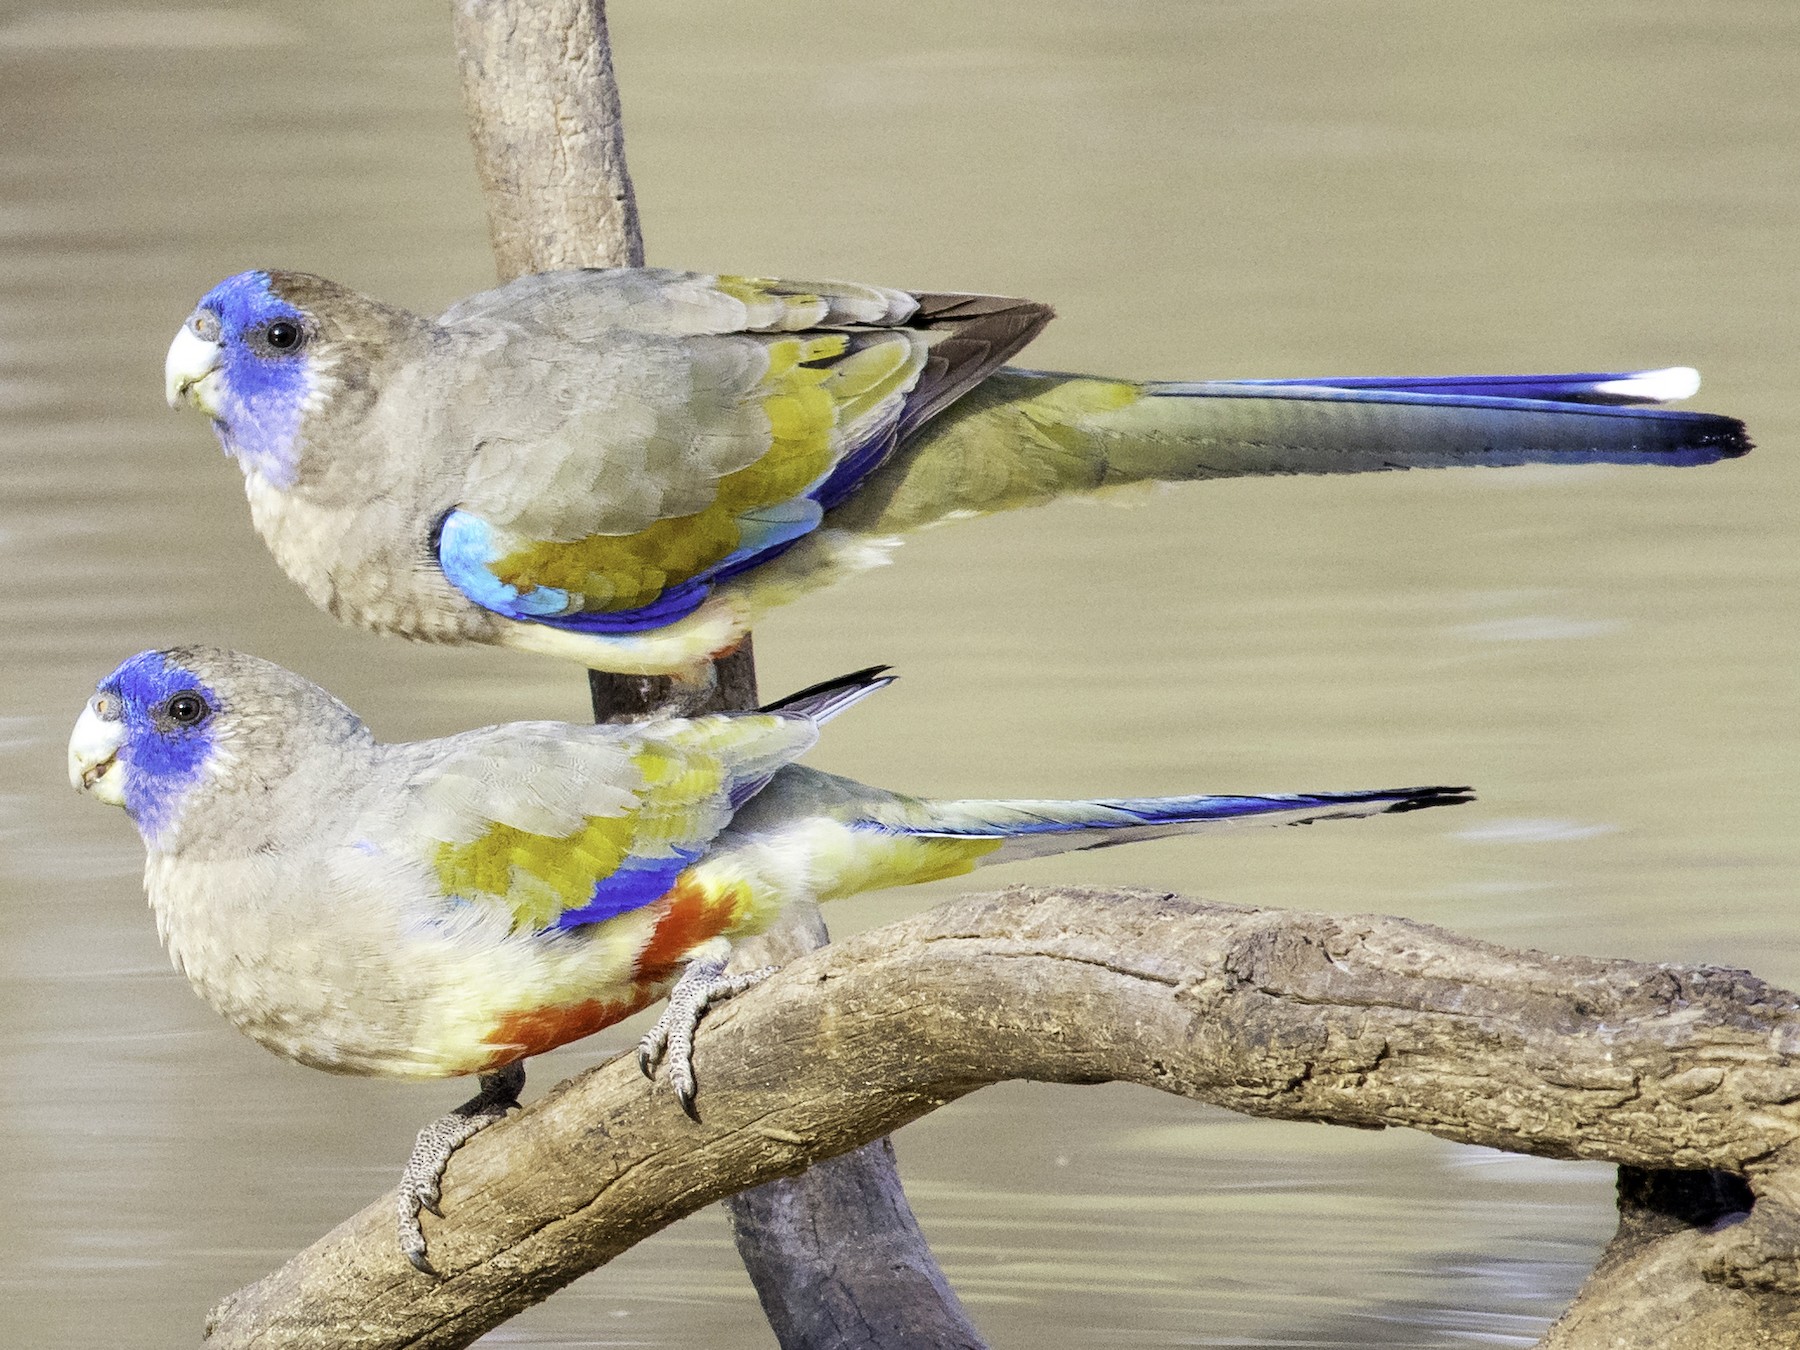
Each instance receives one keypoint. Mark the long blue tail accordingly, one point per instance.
(1034, 828)
(853, 838)
(1668, 385)
(1024, 437)
(1492, 420)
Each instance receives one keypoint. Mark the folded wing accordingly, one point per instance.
(645, 435)
(554, 827)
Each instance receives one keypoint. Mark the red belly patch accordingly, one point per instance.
(689, 917)
(519, 1035)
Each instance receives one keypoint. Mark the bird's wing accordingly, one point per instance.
(553, 827)
(645, 435)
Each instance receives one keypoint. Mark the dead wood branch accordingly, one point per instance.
(1363, 1021)
(549, 143)
(544, 118)
(838, 1247)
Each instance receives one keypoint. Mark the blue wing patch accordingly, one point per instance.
(635, 883)
(467, 549)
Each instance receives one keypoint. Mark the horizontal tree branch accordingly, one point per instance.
(1365, 1021)
(838, 1260)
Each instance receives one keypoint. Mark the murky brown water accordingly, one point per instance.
(1271, 187)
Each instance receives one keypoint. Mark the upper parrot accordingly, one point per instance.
(453, 906)
(623, 467)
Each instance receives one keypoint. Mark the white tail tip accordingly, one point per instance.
(1658, 386)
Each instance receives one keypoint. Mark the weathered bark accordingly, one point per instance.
(825, 1299)
(835, 1253)
(1364, 1021)
(544, 118)
(1643, 1295)
(543, 109)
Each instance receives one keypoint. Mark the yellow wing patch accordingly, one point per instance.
(784, 306)
(770, 308)
(536, 876)
(540, 877)
(818, 396)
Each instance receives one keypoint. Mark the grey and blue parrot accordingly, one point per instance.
(625, 467)
(454, 906)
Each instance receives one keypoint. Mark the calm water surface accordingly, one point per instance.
(1259, 187)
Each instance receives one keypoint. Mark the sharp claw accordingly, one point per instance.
(421, 1184)
(412, 1246)
(670, 1043)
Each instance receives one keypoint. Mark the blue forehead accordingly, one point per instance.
(262, 396)
(246, 300)
(161, 762)
(148, 678)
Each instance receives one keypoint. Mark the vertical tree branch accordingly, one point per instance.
(836, 1255)
(543, 108)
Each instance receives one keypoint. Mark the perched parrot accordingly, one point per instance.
(624, 467)
(453, 906)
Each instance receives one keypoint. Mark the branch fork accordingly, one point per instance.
(1368, 1021)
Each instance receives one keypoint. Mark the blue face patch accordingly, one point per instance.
(262, 387)
(167, 740)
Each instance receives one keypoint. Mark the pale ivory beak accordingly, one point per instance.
(94, 757)
(187, 371)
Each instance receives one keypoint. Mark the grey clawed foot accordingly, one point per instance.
(421, 1184)
(671, 1041)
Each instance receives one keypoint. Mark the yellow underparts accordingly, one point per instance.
(1016, 440)
(824, 860)
(877, 859)
(1060, 414)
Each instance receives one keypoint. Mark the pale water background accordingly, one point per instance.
(1273, 188)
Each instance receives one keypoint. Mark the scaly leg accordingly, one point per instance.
(421, 1182)
(671, 1040)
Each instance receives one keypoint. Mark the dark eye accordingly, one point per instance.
(282, 335)
(186, 708)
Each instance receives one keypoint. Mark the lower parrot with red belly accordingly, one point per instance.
(449, 907)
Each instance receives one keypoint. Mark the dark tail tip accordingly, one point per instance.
(1423, 799)
(1730, 438)
(830, 695)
